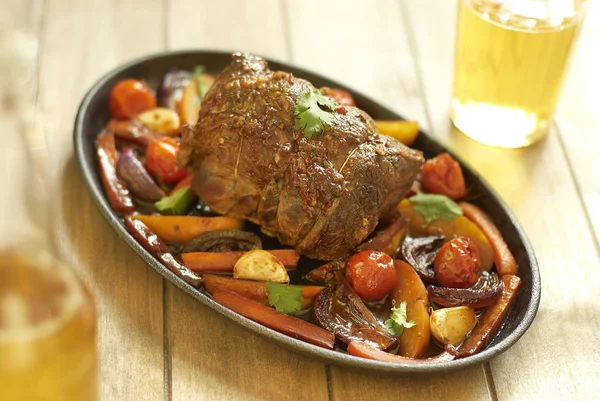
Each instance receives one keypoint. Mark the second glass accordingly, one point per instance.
(510, 61)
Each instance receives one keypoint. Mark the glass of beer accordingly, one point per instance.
(47, 316)
(510, 62)
(47, 330)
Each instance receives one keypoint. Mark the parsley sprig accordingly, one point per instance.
(284, 297)
(398, 320)
(313, 112)
(435, 207)
(201, 84)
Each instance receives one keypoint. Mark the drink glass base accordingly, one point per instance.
(498, 126)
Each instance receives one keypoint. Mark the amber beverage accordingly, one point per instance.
(47, 331)
(510, 62)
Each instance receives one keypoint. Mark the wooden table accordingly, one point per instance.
(156, 343)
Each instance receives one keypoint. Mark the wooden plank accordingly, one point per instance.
(19, 221)
(212, 357)
(360, 45)
(81, 41)
(553, 360)
(370, 52)
(23, 15)
(578, 118)
(254, 27)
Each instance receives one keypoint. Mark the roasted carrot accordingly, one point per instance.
(116, 192)
(492, 319)
(181, 229)
(410, 289)
(361, 349)
(224, 261)
(131, 131)
(159, 250)
(503, 258)
(288, 325)
(186, 182)
(326, 273)
(309, 293)
(255, 290)
(389, 239)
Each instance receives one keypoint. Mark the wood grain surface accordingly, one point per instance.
(156, 343)
(79, 42)
(578, 116)
(551, 361)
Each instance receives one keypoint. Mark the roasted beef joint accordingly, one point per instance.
(323, 193)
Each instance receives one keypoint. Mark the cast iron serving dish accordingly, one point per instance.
(93, 114)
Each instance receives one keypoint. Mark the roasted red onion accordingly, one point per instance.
(326, 273)
(485, 292)
(420, 252)
(134, 174)
(341, 311)
(171, 88)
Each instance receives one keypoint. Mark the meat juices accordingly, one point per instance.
(322, 195)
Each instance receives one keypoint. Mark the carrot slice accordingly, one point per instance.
(288, 325)
(255, 290)
(131, 131)
(116, 192)
(389, 239)
(410, 289)
(503, 258)
(186, 182)
(181, 229)
(224, 261)
(492, 319)
(160, 251)
(361, 349)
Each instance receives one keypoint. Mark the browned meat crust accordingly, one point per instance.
(322, 195)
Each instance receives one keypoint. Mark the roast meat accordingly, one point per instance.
(322, 195)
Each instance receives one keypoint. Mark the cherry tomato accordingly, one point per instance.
(341, 96)
(371, 273)
(457, 263)
(443, 175)
(161, 155)
(130, 97)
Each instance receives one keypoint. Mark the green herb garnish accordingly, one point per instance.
(313, 112)
(398, 320)
(284, 297)
(435, 207)
(178, 203)
(201, 85)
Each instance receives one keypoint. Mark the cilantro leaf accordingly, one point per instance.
(177, 203)
(284, 297)
(397, 321)
(435, 207)
(201, 84)
(313, 112)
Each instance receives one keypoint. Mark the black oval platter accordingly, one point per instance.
(93, 114)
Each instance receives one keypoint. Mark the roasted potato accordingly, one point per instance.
(160, 119)
(261, 266)
(403, 131)
(451, 325)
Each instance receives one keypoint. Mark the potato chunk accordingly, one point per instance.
(262, 266)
